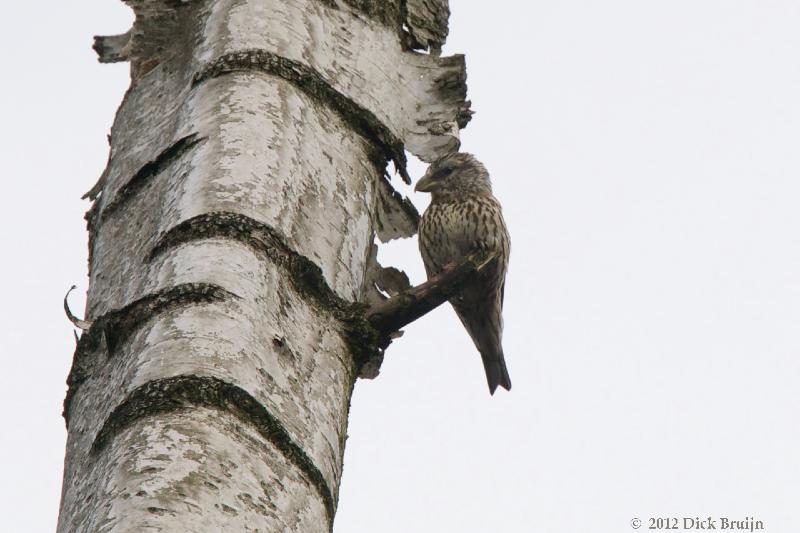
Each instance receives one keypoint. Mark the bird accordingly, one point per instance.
(464, 217)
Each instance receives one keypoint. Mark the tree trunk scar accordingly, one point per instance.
(148, 171)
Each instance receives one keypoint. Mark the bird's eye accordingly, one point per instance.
(442, 173)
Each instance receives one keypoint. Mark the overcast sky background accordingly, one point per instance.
(646, 155)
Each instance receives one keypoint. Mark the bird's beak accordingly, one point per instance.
(426, 184)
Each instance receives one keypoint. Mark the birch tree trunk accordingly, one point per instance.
(231, 237)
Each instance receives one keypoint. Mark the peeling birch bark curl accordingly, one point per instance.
(231, 244)
(83, 325)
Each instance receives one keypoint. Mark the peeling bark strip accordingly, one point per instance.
(150, 170)
(81, 324)
(396, 216)
(381, 281)
(183, 392)
(310, 82)
(116, 326)
(112, 48)
(387, 12)
(427, 22)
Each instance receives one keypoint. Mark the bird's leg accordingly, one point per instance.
(482, 258)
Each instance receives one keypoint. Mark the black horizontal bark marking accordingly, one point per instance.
(305, 275)
(427, 19)
(183, 392)
(311, 82)
(150, 170)
(386, 12)
(115, 326)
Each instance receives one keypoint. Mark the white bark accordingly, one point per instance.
(230, 233)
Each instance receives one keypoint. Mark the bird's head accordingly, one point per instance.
(455, 174)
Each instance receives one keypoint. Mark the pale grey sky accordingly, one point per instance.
(646, 154)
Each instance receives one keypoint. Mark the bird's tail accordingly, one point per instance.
(486, 329)
(496, 371)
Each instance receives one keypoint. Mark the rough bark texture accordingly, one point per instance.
(231, 243)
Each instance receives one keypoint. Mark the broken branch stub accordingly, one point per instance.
(402, 309)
